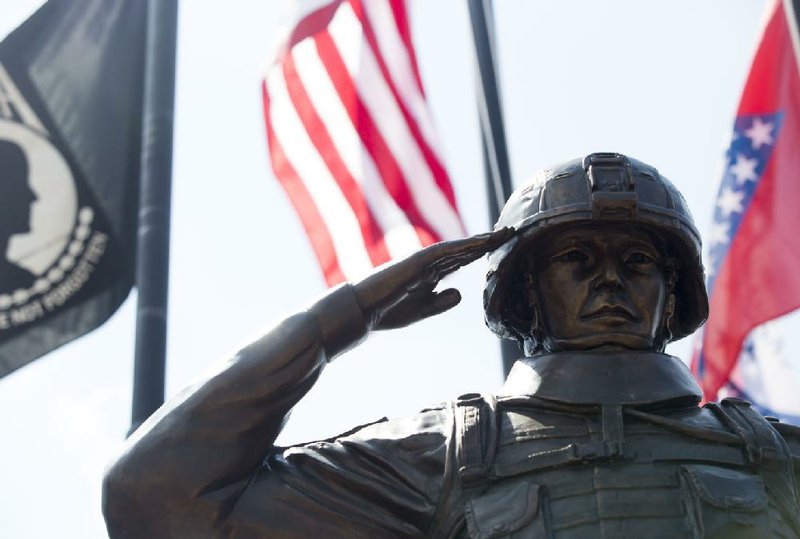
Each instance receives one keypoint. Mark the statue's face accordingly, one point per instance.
(600, 286)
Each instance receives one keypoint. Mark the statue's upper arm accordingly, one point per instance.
(381, 479)
(791, 433)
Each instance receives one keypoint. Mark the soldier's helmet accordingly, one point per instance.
(601, 187)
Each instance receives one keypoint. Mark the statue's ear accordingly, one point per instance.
(669, 308)
(518, 313)
(666, 334)
(532, 319)
(517, 309)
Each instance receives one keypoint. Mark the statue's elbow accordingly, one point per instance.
(124, 503)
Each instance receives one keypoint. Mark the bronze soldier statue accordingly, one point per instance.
(594, 268)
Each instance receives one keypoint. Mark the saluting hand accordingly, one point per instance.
(402, 292)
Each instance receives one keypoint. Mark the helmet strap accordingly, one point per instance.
(669, 313)
(535, 338)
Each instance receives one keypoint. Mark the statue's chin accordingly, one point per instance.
(607, 342)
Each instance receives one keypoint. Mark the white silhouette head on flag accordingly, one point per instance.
(39, 201)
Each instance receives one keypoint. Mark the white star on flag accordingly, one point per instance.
(744, 169)
(730, 201)
(719, 234)
(760, 133)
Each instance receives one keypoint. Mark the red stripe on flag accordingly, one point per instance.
(310, 218)
(318, 133)
(313, 23)
(439, 173)
(370, 135)
(766, 88)
(758, 280)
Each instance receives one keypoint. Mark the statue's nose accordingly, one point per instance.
(607, 275)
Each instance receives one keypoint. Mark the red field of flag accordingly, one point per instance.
(755, 245)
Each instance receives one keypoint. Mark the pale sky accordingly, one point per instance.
(658, 81)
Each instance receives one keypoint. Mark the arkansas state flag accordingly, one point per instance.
(71, 87)
(754, 244)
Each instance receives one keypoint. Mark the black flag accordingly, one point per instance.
(71, 86)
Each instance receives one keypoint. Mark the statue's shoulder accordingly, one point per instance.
(427, 431)
(790, 433)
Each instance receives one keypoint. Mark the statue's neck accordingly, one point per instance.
(603, 377)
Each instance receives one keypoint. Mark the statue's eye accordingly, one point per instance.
(638, 257)
(573, 255)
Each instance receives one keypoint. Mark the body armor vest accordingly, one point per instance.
(615, 447)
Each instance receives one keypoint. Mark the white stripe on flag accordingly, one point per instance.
(347, 34)
(328, 198)
(396, 55)
(401, 237)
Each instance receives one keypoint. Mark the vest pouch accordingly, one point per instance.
(724, 504)
(509, 510)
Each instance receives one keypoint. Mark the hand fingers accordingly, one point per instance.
(498, 237)
(446, 257)
(439, 269)
(417, 306)
(474, 247)
(441, 302)
(489, 242)
(427, 304)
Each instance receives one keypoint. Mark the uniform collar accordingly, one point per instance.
(629, 377)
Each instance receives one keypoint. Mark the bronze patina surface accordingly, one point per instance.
(594, 267)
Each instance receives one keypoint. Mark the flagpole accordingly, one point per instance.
(152, 254)
(493, 140)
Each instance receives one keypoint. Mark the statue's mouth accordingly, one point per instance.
(611, 311)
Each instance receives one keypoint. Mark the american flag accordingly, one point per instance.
(351, 138)
(754, 243)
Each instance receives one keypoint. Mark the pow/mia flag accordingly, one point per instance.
(71, 85)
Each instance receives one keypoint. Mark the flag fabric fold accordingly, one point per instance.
(754, 245)
(351, 138)
(71, 87)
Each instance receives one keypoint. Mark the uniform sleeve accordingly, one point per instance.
(791, 433)
(383, 480)
(183, 471)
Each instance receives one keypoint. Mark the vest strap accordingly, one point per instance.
(476, 437)
(767, 453)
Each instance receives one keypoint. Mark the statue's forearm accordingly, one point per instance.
(186, 464)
